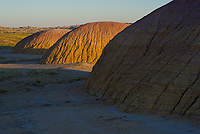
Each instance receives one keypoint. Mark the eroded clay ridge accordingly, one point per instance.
(153, 66)
(84, 44)
(40, 42)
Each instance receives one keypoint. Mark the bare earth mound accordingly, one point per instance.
(153, 66)
(39, 42)
(84, 44)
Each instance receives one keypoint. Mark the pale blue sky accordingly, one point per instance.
(44, 13)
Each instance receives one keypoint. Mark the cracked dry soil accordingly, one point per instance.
(52, 102)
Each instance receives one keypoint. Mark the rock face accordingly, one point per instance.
(39, 42)
(84, 44)
(153, 66)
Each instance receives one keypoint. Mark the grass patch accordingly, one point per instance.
(41, 77)
(77, 78)
(3, 91)
(10, 36)
(2, 57)
(13, 80)
(42, 72)
(11, 39)
(9, 73)
(10, 60)
(6, 47)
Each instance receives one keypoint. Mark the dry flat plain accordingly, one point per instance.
(48, 99)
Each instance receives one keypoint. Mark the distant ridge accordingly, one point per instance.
(153, 66)
(40, 42)
(83, 44)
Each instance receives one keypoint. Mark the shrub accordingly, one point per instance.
(42, 71)
(9, 73)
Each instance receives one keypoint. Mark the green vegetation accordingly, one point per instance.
(2, 57)
(42, 77)
(10, 36)
(42, 71)
(6, 47)
(4, 60)
(77, 78)
(11, 39)
(9, 73)
(13, 80)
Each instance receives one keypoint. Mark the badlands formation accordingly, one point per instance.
(40, 42)
(153, 66)
(84, 44)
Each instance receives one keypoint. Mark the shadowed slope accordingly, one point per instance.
(153, 66)
(84, 44)
(39, 42)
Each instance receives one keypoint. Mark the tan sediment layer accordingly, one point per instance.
(84, 44)
(40, 42)
(153, 66)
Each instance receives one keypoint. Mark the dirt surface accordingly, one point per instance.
(48, 99)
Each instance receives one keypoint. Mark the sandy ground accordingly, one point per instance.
(35, 101)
